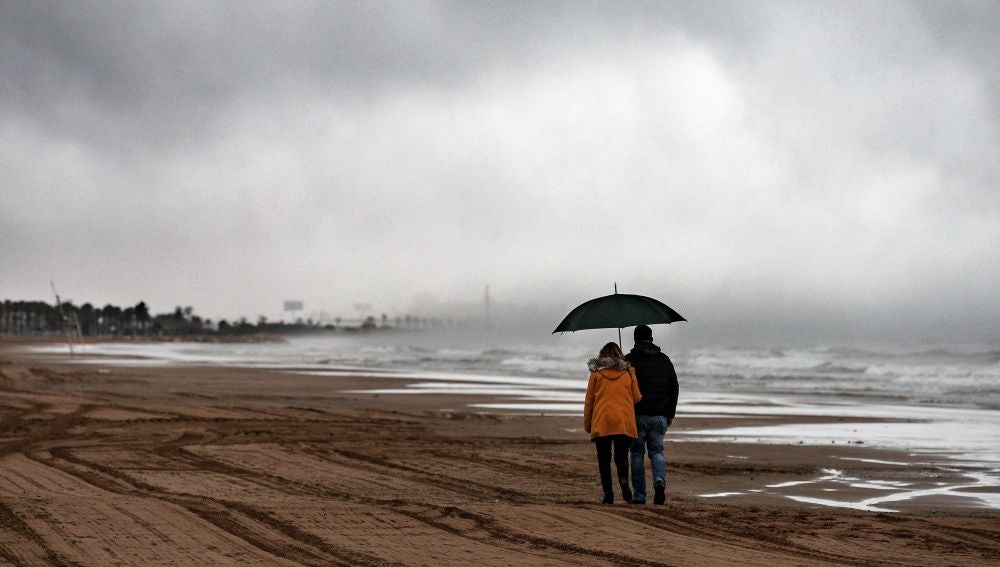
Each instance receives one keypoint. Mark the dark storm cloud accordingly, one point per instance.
(162, 73)
(747, 157)
(125, 73)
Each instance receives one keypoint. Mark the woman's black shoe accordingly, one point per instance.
(608, 499)
(626, 491)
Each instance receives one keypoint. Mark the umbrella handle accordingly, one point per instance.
(619, 328)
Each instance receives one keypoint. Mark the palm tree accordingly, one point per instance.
(141, 312)
(112, 315)
(87, 318)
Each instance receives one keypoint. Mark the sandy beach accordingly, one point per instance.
(232, 466)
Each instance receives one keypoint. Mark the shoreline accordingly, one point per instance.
(944, 428)
(249, 465)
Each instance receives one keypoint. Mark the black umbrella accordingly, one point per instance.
(617, 311)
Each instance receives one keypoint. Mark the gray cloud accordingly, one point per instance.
(782, 169)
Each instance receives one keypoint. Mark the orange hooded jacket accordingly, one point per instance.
(609, 408)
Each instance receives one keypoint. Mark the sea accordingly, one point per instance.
(937, 401)
(953, 375)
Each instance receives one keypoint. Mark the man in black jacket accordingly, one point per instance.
(653, 414)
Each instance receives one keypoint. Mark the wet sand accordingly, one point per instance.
(216, 466)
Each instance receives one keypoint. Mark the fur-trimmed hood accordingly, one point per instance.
(595, 364)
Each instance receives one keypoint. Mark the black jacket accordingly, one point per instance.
(657, 380)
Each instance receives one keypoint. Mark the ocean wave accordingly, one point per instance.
(499, 352)
(936, 375)
(842, 368)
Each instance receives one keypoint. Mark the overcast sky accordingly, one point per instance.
(777, 170)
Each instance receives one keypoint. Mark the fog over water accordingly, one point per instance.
(780, 173)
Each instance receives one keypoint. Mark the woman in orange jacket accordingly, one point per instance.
(609, 415)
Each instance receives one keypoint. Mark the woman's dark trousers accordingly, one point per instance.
(621, 445)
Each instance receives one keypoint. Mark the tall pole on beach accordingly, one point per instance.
(62, 318)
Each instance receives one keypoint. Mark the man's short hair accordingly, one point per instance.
(643, 333)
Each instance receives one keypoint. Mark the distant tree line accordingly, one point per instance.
(41, 319)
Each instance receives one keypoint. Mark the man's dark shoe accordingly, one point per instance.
(609, 498)
(660, 492)
(626, 491)
(639, 502)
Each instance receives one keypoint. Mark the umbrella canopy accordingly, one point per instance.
(617, 311)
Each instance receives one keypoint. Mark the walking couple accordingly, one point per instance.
(630, 403)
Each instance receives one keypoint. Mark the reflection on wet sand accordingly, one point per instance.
(834, 480)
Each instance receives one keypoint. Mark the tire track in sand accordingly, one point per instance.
(113, 524)
(481, 528)
(22, 545)
(248, 523)
(433, 516)
(478, 528)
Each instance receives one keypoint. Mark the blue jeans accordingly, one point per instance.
(651, 430)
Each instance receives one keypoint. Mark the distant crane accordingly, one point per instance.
(486, 303)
